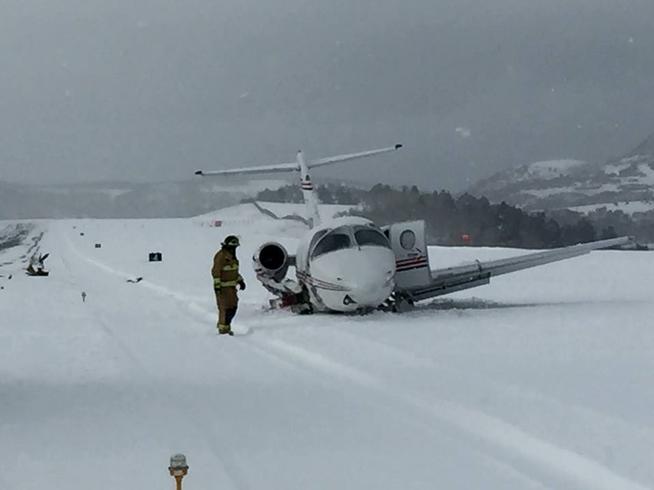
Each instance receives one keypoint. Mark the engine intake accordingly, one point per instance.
(271, 260)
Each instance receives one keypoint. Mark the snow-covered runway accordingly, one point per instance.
(540, 380)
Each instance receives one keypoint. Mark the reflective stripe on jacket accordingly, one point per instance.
(225, 270)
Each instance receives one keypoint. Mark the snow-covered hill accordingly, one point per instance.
(625, 184)
(127, 200)
(258, 209)
(537, 171)
(540, 380)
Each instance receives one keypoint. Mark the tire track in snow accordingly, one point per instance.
(518, 443)
(284, 361)
(107, 330)
(563, 463)
(331, 369)
(230, 467)
(189, 301)
(288, 363)
(527, 481)
(412, 359)
(586, 421)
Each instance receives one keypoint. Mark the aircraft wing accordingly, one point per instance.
(263, 169)
(351, 156)
(451, 279)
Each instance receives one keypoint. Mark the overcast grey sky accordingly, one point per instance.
(153, 89)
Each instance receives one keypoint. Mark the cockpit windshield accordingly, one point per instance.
(347, 237)
(335, 240)
(369, 236)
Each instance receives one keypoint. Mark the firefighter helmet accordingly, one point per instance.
(231, 241)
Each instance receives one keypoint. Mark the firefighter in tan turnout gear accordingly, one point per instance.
(225, 279)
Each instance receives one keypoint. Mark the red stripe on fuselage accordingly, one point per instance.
(412, 260)
(410, 267)
(321, 284)
(410, 264)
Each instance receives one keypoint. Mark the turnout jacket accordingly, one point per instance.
(225, 270)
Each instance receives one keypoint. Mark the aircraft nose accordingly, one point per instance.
(364, 272)
(368, 276)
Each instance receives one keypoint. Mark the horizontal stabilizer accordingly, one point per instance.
(295, 166)
(263, 169)
(351, 156)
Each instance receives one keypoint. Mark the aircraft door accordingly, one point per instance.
(410, 249)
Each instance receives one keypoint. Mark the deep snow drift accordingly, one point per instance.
(540, 380)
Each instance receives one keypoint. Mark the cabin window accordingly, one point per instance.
(408, 239)
(331, 243)
(371, 237)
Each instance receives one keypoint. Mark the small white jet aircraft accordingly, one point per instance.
(349, 264)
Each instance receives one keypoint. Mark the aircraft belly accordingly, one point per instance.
(335, 300)
(350, 301)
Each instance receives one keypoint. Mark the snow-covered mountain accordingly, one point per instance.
(625, 183)
(126, 200)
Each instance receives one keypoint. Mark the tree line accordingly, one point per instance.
(470, 220)
(467, 219)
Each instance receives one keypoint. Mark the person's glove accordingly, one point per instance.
(242, 285)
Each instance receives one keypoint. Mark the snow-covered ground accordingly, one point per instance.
(247, 185)
(326, 210)
(541, 380)
(246, 212)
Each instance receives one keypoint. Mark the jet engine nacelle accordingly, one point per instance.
(271, 261)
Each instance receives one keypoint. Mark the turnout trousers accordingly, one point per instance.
(227, 302)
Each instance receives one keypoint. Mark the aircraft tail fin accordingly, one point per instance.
(302, 166)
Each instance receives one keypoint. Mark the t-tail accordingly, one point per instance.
(302, 166)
